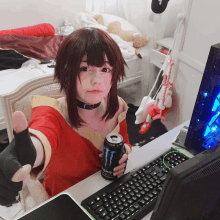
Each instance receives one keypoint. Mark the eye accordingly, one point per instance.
(84, 69)
(106, 70)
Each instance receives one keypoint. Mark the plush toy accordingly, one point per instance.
(159, 108)
(115, 27)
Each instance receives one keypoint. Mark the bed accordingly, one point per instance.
(30, 55)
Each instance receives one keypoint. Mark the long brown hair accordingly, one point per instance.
(94, 43)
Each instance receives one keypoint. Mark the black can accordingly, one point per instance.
(112, 152)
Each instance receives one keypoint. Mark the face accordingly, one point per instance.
(93, 78)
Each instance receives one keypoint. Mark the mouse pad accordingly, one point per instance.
(60, 208)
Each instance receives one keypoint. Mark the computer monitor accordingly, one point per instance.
(191, 190)
(204, 127)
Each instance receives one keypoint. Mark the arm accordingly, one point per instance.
(40, 152)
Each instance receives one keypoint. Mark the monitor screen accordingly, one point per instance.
(191, 190)
(204, 128)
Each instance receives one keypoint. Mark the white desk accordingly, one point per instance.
(145, 154)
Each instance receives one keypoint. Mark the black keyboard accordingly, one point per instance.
(133, 195)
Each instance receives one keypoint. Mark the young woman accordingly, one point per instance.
(65, 136)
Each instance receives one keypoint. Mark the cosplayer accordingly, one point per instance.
(65, 136)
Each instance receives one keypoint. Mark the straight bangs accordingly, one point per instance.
(95, 44)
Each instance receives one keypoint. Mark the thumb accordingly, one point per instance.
(23, 144)
(19, 121)
(22, 173)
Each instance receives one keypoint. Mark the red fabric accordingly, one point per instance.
(73, 157)
(35, 47)
(36, 30)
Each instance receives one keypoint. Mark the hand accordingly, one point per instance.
(16, 161)
(120, 169)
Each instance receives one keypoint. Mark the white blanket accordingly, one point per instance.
(86, 20)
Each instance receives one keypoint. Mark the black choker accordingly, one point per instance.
(86, 106)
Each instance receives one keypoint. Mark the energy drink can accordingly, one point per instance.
(112, 152)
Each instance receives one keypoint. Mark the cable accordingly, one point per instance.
(170, 153)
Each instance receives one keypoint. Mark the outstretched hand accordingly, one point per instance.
(16, 161)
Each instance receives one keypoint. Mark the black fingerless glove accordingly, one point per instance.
(18, 153)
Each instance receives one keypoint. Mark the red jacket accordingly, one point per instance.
(71, 155)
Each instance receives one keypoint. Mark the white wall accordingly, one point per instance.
(203, 30)
(22, 13)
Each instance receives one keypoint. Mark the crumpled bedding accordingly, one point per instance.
(33, 47)
(86, 20)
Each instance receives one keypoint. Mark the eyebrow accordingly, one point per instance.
(85, 61)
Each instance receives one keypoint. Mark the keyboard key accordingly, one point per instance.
(103, 214)
(160, 174)
(127, 197)
(124, 193)
(155, 192)
(142, 202)
(151, 195)
(121, 208)
(123, 199)
(119, 203)
(136, 206)
(142, 192)
(115, 198)
(120, 195)
(132, 193)
(114, 206)
(107, 218)
(127, 213)
(111, 201)
(147, 189)
(98, 199)
(138, 195)
(114, 193)
(116, 211)
(110, 209)
(130, 201)
(131, 210)
(147, 198)
(99, 210)
(127, 185)
(112, 214)
(163, 177)
(125, 204)
(136, 191)
(131, 182)
(122, 216)
(134, 198)
(96, 205)
(109, 196)
(118, 190)
(122, 187)
(91, 203)
(106, 205)
(104, 199)
(129, 190)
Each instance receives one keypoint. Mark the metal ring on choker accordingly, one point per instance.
(86, 106)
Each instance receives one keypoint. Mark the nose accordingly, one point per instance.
(96, 75)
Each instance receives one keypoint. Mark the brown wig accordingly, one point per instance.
(94, 43)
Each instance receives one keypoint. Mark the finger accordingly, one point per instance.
(101, 154)
(25, 181)
(119, 167)
(119, 174)
(19, 121)
(23, 144)
(22, 173)
(123, 159)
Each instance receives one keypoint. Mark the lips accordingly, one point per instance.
(95, 91)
